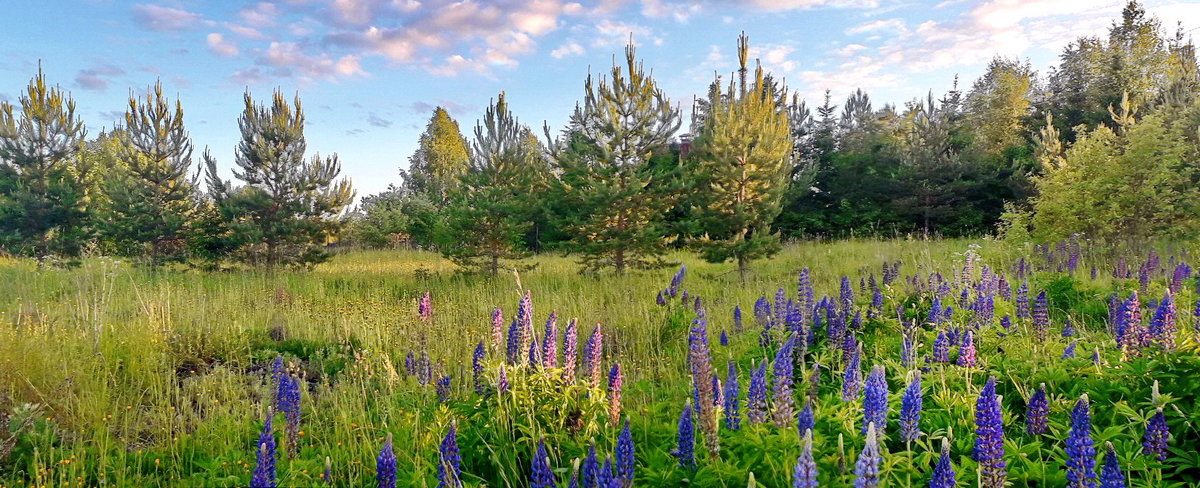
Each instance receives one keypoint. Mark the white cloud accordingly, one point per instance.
(165, 19)
(571, 48)
(219, 46)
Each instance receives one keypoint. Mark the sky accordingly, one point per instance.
(370, 72)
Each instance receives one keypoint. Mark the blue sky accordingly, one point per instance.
(370, 71)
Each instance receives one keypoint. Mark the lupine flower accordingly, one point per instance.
(1068, 329)
(502, 382)
(941, 348)
(1006, 322)
(876, 304)
(535, 352)
(762, 312)
(550, 342)
(513, 346)
(541, 476)
(733, 419)
(410, 364)
(278, 373)
(1111, 475)
(264, 469)
(291, 413)
(425, 307)
(1135, 334)
(443, 389)
(779, 313)
(724, 339)
(1069, 351)
(614, 392)
(1162, 326)
(1081, 451)
(849, 345)
(595, 353)
(702, 380)
(852, 378)
(943, 472)
(910, 409)
(686, 448)
(449, 473)
(1037, 412)
(866, 470)
(497, 329)
(385, 465)
(590, 469)
(806, 420)
(626, 462)
(989, 438)
(804, 291)
(1023, 301)
(805, 474)
(327, 475)
(660, 300)
(907, 350)
(966, 351)
(1041, 316)
(477, 369)
(570, 348)
(781, 392)
(737, 318)
(846, 295)
(424, 366)
(677, 281)
(1154, 442)
(607, 478)
(756, 401)
(875, 400)
(1196, 315)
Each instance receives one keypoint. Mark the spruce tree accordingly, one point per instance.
(441, 157)
(288, 206)
(615, 201)
(489, 213)
(43, 181)
(150, 197)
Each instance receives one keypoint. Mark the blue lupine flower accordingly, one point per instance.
(852, 378)
(941, 348)
(1023, 301)
(264, 469)
(966, 351)
(907, 350)
(1081, 451)
(737, 318)
(781, 391)
(449, 473)
(806, 420)
(1069, 351)
(910, 409)
(1154, 442)
(805, 474)
(626, 461)
(1068, 329)
(943, 472)
(875, 401)
(686, 448)
(477, 369)
(590, 468)
(1037, 412)
(989, 438)
(443, 389)
(866, 469)
(541, 476)
(1111, 475)
(502, 381)
(724, 339)
(756, 401)
(550, 342)
(733, 419)
(1041, 316)
(607, 478)
(385, 465)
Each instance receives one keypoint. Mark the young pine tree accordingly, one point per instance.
(616, 199)
(288, 206)
(489, 213)
(150, 198)
(441, 157)
(43, 182)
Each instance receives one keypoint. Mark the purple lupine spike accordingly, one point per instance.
(425, 308)
(805, 474)
(1081, 450)
(989, 438)
(804, 292)
(410, 364)
(782, 398)
(264, 469)
(626, 462)
(449, 473)
(907, 350)
(756, 401)
(607, 478)
(876, 308)
(424, 367)
(614, 392)
(278, 373)
(1154, 442)
(846, 294)
(590, 469)
(535, 352)
(966, 351)
(852, 378)
(685, 449)
(941, 348)
(724, 339)
(443, 389)
(1136, 334)
(385, 465)
(1041, 317)
(660, 300)
(1111, 475)
(1068, 329)
(702, 379)
(1037, 412)
(779, 313)
(1023, 301)
(910, 409)
(550, 342)
(719, 394)
(477, 369)
(875, 400)
(684, 296)
(524, 320)
(795, 319)
(1162, 326)
(737, 318)
(1069, 351)
(1006, 324)
(733, 419)
(595, 354)
(570, 354)
(849, 344)
(291, 413)
(541, 476)
(762, 312)
(677, 281)
(1182, 272)
(943, 472)
(513, 346)
(1196, 316)
(502, 381)
(866, 469)
(806, 421)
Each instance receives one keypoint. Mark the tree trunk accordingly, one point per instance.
(743, 266)
(619, 261)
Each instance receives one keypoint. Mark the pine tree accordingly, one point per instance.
(151, 201)
(489, 213)
(288, 206)
(743, 160)
(441, 157)
(44, 194)
(999, 103)
(615, 199)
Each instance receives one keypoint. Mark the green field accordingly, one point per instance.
(112, 375)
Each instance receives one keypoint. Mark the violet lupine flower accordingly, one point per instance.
(852, 378)
(876, 308)
(535, 352)
(1069, 351)
(524, 320)
(570, 354)
(781, 392)
(1081, 450)
(1196, 315)
(278, 373)
(590, 468)
(606, 478)
(875, 400)
(1068, 329)
(425, 307)
(424, 367)
(660, 300)
(806, 420)
(1182, 272)
(1037, 412)
(805, 474)
(756, 401)
(1154, 442)
(385, 465)
(804, 291)
(779, 313)
(702, 379)
(541, 476)
(449, 473)
(291, 413)
(626, 461)
(685, 450)
(910, 409)
(989, 438)
(513, 346)
(410, 364)
(327, 474)
(846, 294)
(502, 381)
(264, 469)
(614, 392)
(943, 472)
(1023, 301)
(733, 419)
(1041, 317)
(595, 353)
(907, 350)
(849, 344)
(866, 469)
(737, 318)
(1162, 326)
(677, 281)
(762, 312)
(497, 330)
(1006, 323)
(724, 339)
(550, 342)
(941, 348)
(966, 351)
(1136, 334)
(1111, 475)
(477, 369)
(795, 319)
(443, 389)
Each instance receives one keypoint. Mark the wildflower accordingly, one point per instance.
(866, 470)
(1154, 442)
(846, 295)
(702, 380)
(876, 304)
(541, 475)
(502, 381)
(875, 400)
(1081, 451)
(659, 300)
(327, 475)
(756, 401)
(410, 364)
(1111, 475)
(1069, 351)
(497, 329)
(966, 351)
(264, 470)
(443, 389)
(1037, 412)
(606, 478)
(1068, 329)
(733, 419)
(477, 369)
(590, 469)
(512, 351)
(1162, 326)
(852, 378)
(943, 472)
(941, 348)
(449, 473)
(804, 291)
(677, 281)
(1041, 316)
(805, 474)
(570, 354)
(762, 312)
(550, 342)
(724, 339)
(907, 350)
(989, 438)
(626, 461)
(385, 465)
(614, 392)
(595, 353)
(425, 308)
(910, 409)
(806, 420)
(1023, 301)
(1006, 323)
(781, 393)
(290, 407)
(686, 450)
(737, 318)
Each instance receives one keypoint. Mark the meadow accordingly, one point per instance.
(115, 375)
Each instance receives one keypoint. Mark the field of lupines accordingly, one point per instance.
(858, 363)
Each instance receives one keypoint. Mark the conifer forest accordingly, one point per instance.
(987, 287)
